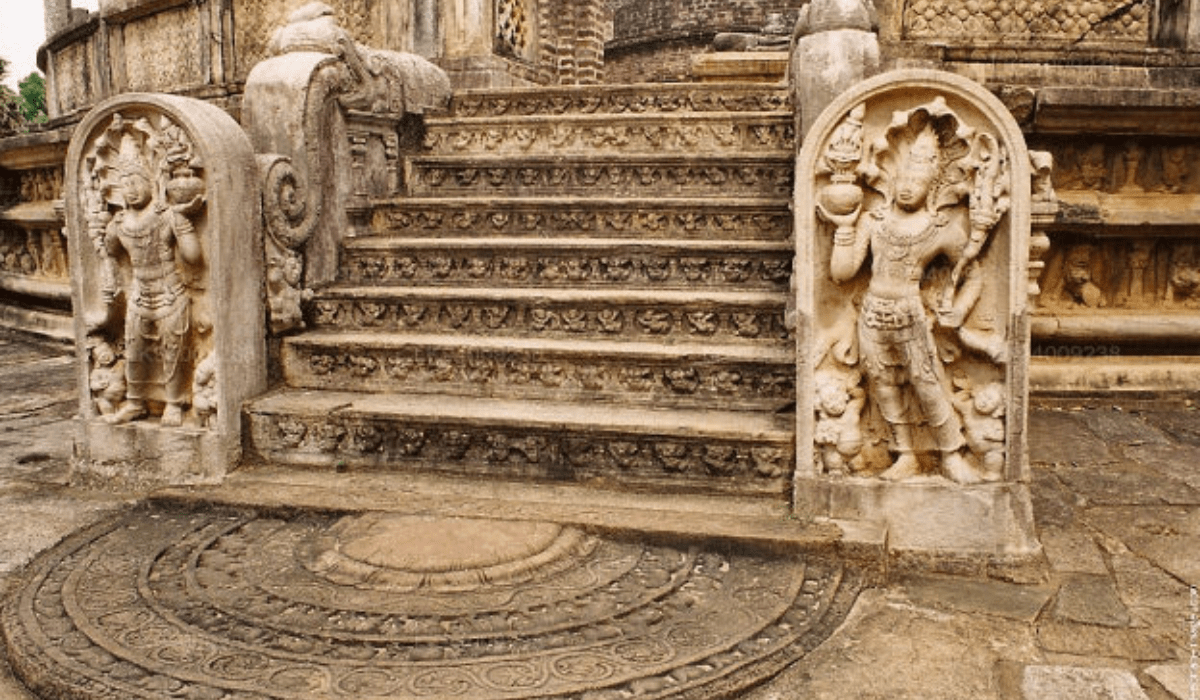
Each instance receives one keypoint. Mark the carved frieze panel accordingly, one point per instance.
(614, 320)
(724, 178)
(1125, 166)
(663, 99)
(634, 222)
(503, 372)
(762, 135)
(1148, 272)
(40, 185)
(482, 450)
(555, 268)
(1026, 20)
(33, 252)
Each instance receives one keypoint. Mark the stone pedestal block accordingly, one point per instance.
(912, 225)
(164, 225)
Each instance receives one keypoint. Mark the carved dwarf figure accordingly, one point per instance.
(838, 435)
(204, 390)
(982, 413)
(920, 168)
(154, 237)
(107, 378)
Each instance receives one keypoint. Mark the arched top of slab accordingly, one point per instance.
(908, 88)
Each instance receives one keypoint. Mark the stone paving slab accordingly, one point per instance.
(1167, 536)
(1090, 599)
(1078, 683)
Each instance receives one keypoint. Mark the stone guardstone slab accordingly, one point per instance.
(912, 241)
(166, 251)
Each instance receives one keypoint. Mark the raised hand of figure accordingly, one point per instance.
(190, 208)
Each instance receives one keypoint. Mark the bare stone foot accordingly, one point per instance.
(129, 412)
(905, 467)
(172, 416)
(958, 469)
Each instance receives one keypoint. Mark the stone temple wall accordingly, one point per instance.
(654, 40)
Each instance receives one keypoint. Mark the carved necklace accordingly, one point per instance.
(901, 244)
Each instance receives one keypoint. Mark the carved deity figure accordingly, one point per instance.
(146, 248)
(922, 169)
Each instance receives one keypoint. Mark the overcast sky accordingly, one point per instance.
(21, 34)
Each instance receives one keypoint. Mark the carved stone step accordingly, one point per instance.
(631, 175)
(568, 262)
(706, 451)
(718, 217)
(661, 316)
(659, 98)
(519, 135)
(692, 374)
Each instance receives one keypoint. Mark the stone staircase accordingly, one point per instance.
(581, 284)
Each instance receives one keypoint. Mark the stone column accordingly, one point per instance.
(58, 15)
(836, 47)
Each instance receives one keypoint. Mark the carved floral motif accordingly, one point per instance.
(222, 604)
(724, 178)
(521, 317)
(739, 466)
(663, 99)
(559, 269)
(764, 136)
(620, 223)
(1020, 20)
(424, 370)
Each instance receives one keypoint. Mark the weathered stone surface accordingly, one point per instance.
(889, 648)
(1005, 600)
(1090, 599)
(1108, 642)
(1079, 683)
(1176, 679)
(1071, 550)
(1167, 536)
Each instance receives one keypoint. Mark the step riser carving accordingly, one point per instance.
(765, 135)
(565, 268)
(660, 99)
(663, 221)
(744, 467)
(714, 382)
(612, 321)
(723, 178)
